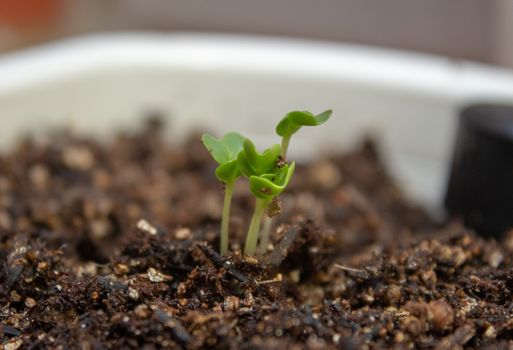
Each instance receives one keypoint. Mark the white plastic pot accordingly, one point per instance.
(99, 84)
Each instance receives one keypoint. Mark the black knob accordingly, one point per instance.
(480, 188)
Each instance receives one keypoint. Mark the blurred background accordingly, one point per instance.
(409, 103)
(478, 30)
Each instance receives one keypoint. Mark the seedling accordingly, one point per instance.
(293, 121)
(225, 152)
(267, 179)
(268, 172)
(288, 126)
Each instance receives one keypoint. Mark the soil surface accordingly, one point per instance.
(114, 246)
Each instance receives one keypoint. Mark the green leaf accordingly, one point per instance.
(294, 120)
(268, 186)
(286, 128)
(251, 162)
(228, 172)
(225, 149)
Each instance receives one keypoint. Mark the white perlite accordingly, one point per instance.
(133, 293)
(13, 344)
(155, 275)
(145, 226)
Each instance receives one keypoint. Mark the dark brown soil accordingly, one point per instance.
(114, 246)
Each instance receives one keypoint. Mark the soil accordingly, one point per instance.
(114, 245)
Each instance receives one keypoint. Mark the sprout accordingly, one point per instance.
(225, 152)
(288, 126)
(266, 181)
(252, 163)
(293, 121)
(268, 172)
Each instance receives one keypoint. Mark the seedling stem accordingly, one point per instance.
(225, 221)
(266, 231)
(254, 227)
(285, 147)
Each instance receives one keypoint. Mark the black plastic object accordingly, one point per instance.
(480, 186)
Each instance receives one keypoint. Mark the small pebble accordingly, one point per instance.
(41, 266)
(368, 298)
(39, 176)
(13, 344)
(495, 258)
(99, 228)
(429, 278)
(15, 296)
(393, 294)
(78, 157)
(490, 332)
(133, 293)
(250, 260)
(145, 226)
(441, 314)
(121, 269)
(413, 325)
(30, 302)
(231, 303)
(182, 233)
(89, 268)
(154, 275)
(295, 275)
(399, 337)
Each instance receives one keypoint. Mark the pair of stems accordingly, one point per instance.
(254, 226)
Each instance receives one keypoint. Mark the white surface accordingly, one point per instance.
(101, 83)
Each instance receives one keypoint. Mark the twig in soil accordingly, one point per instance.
(358, 272)
(280, 251)
(220, 262)
(176, 327)
(277, 279)
(349, 269)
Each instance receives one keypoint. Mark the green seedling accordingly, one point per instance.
(265, 186)
(288, 126)
(293, 121)
(268, 172)
(268, 177)
(225, 152)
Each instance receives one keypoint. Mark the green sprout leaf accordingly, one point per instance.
(225, 152)
(225, 149)
(251, 162)
(268, 186)
(294, 120)
(228, 172)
